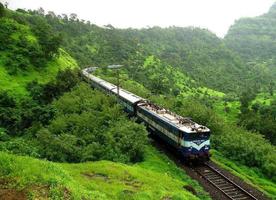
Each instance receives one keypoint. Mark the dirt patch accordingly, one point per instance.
(12, 194)
(134, 183)
(39, 191)
(67, 194)
(6, 193)
(129, 180)
(96, 176)
(190, 189)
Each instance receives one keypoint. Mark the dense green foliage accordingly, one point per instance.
(261, 118)
(81, 125)
(2, 10)
(18, 46)
(18, 115)
(196, 51)
(254, 38)
(90, 126)
(26, 41)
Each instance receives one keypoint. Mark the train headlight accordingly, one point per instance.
(206, 148)
(190, 149)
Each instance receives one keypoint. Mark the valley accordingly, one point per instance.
(62, 139)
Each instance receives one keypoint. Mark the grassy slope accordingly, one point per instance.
(16, 83)
(155, 178)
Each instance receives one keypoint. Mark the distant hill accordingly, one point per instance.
(200, 54)
(227, 65)
(254, 39)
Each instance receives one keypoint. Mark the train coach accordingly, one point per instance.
(127, 99)
(189, 138)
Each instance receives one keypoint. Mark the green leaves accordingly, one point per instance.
(90, 126)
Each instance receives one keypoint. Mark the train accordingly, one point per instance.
(190, 139)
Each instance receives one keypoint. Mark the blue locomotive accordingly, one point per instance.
(189, 138)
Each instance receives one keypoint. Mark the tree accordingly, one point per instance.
(64, 82)
(73, 17)
(271, 88)
(2, 10)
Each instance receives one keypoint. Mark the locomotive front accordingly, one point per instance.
(196, 144)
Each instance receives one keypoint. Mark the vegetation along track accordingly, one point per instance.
(231, 189)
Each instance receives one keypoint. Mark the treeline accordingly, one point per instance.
(197, 52)
(35, 36)
(67, 121)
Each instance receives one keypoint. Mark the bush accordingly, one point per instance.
(17, 115)
(46, 93)
(20, 146)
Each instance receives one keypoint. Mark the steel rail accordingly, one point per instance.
(237, 188)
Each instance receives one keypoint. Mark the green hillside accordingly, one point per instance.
(254, 40)
(16, 84)
(29, 50)
(197, 52)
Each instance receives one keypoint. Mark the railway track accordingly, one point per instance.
(229, 188)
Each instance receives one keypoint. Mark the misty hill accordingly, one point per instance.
(254, 39)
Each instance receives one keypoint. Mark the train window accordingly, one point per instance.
(197, 136)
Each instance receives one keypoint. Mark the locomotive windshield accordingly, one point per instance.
(199, 136)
